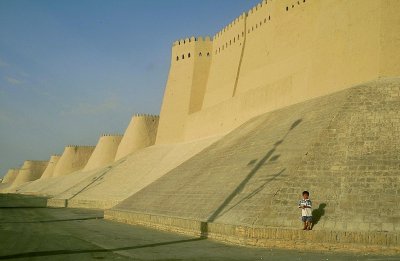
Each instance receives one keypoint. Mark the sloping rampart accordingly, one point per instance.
(343, 148)
(10, 176)
(73, 158)
(109, 186)
(30, 170)
(49, 171)
(104, 153)
(141, 133)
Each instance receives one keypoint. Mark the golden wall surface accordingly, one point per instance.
(30, 170)
(190, 65)
(141, 133)
(278, 54)
(73, 158)
(104, 153)
(49, 171)
(10, 176)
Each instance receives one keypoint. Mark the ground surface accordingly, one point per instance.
(77, 234)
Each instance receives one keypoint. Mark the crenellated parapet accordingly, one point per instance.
(190, 49)
(80, 146)
(191, 40)
(228, 28)
(235, 32)
(111, 135)
(148, 116)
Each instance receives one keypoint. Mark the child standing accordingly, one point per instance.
(306, 211)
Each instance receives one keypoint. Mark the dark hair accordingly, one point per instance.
(306, 192)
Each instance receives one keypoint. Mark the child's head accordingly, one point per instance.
(306, 194)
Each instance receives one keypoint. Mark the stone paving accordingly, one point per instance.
(82, 234)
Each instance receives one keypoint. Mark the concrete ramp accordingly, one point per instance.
(106, 187)
(141, 133)
(344, 148)
(74, 158)
(10, 176)
(104, 153)
(30, 170)
(49, 171)
(53, 186)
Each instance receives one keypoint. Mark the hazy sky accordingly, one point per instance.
(74, 69)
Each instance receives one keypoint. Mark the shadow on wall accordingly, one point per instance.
(318, 213)
(269, 156)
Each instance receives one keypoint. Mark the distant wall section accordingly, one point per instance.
(10, 176)
(104, 153)
(31, 170)
(141, 133)
(49, 171)
(74, 158)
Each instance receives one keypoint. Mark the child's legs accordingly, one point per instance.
(304, 219)
(309, 222)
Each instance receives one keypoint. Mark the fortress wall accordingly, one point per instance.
(331, 43)
(202, 62)
(141, 133)
(185, 86)
(10, 176)
(343, 148)
(73, 158)
(49, 171)
(390, 38)
(228, 45)
(104, 153)
(30, 170)
(314, 48)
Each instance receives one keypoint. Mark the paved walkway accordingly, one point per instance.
(80, 234)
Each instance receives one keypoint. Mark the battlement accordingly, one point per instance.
(191, 40)
(188, 48)
(230, 25)
(111, 135)
(34, 161)
(240, 18)
(80, 146)
(146, 116)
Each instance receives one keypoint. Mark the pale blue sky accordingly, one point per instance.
(72, 70)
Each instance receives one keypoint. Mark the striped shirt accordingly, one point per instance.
(306, 212)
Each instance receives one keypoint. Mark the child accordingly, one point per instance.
(306, 211)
